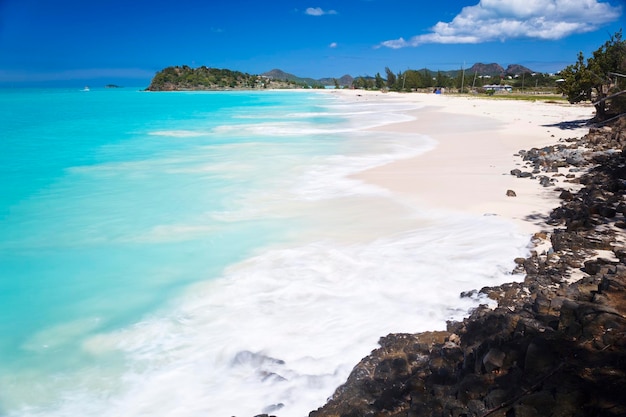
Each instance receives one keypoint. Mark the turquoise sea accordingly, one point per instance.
(209, 254)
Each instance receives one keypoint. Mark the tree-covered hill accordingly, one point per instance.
(344, 81)
(183, 78)
(280, 75)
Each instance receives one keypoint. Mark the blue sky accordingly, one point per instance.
(127, 41)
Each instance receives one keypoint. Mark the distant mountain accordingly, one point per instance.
(496, 70)
(281, 75)
(278, 74)
(486, 69)
(344, 81)
(492, 70)
(516, 69)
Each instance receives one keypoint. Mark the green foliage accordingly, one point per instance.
(391, 79)
(413, 80)
(443, 80)
(530, 80)
(363, 83)
(427, 78)
(596, 81)
(379, 82)
(186, 78)
(460, 81)
(577, 84)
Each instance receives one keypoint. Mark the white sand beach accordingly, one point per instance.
(469, 169)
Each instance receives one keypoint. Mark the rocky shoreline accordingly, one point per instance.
(555, 345)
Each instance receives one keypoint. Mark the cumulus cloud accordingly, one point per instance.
(492, 20)
(318, 11)
(333, 45)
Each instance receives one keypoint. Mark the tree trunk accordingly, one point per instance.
(600, 110)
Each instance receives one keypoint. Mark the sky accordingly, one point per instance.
(126, 42)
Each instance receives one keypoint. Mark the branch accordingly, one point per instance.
(608, 120)
(609, 97)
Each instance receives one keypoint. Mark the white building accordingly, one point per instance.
(497, 87)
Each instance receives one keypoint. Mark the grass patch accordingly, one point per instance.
(548, 98)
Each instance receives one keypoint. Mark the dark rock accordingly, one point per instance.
(594, 266)
(551, 347)
(546, 182)
(566, 195)
(493, 360)
(539, 358)
(511, 193)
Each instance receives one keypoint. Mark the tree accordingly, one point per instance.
(459, 82)
(597, 80)
(379, 82)
(363, 83)
(441, 79)
(427, 78)
(607, 62)
(391, 78)
(576, 84)
(400, 81)
(413, 80)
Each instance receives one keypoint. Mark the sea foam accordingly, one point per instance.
(280, 331)
(318, 265)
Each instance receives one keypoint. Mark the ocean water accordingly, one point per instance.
(209, 254)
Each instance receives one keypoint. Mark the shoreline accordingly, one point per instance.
(554, 342)
(477, 143)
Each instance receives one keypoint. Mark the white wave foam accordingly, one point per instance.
(332, 179)
(356, 117)
(277, 129)
(280, 331)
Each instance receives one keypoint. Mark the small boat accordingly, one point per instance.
(86, 88)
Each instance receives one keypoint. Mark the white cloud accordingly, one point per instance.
(333, 45)
(318, 11)
(492, 20)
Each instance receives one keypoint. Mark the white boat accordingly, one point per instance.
(86, 88)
